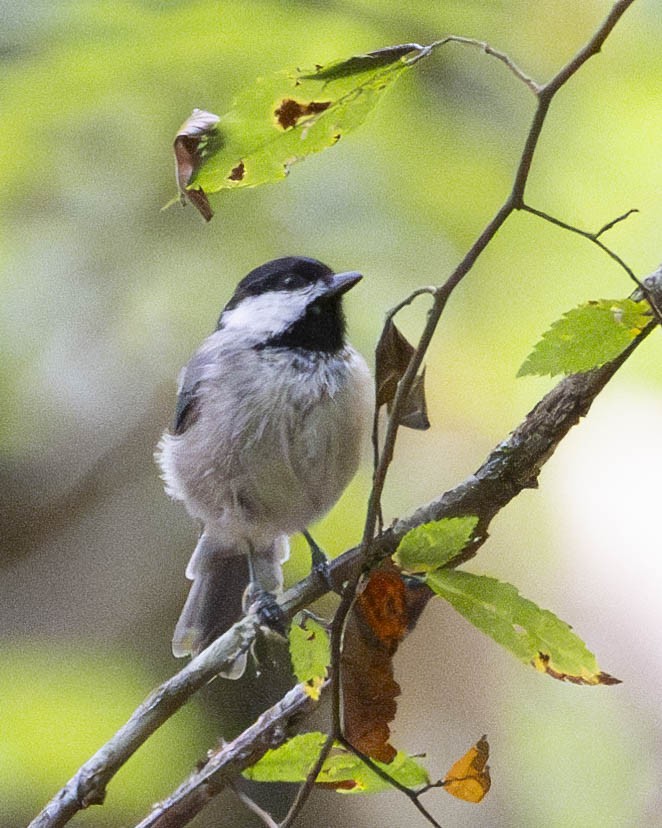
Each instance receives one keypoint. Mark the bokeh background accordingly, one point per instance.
(104, 297)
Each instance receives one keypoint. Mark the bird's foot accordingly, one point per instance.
(320, 566)
(265, 605)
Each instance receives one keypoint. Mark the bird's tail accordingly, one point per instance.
(220, 576)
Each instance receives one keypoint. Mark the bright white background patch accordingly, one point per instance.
(609, 493)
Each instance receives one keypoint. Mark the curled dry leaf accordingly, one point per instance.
(385, 611)
(392, 359)
(196, 137)
(469, 778)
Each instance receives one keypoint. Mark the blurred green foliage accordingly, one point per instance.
(59, 704)
(103, 297)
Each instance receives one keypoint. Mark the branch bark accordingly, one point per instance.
(513, 465)
(269, 731)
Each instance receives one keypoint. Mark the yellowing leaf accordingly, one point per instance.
(469, 778)
(342, 770)
(533, 635)
(313, 687)
(587, 337)
(345, 772)
(310, 653)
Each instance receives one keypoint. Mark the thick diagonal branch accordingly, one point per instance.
(513, 465)
(223, 765)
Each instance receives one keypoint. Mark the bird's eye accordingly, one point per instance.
(289, 281)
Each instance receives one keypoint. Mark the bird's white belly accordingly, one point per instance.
(284, 460)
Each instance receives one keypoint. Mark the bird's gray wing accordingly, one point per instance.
(187, 407)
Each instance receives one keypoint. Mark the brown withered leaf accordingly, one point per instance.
(469, 778)
(415, 412)
(194, 139)
(392, 358)
(385, 611)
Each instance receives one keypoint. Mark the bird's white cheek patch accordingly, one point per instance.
(267, 314)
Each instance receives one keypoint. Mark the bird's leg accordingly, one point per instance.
(263, 603)
(319, 561)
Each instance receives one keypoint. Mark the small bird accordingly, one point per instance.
(271, 415)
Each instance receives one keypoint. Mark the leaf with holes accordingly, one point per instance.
(310, 653)
(285, 117)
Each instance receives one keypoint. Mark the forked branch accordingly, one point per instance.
(513, 465)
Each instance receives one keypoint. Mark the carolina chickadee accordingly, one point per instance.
(271, 414)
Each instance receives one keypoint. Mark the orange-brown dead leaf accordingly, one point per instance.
(469, 778)
(386, 609)
(383, 606)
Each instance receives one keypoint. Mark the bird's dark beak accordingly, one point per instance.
(342, 282)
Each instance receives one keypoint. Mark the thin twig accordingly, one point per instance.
(390, 780)
(88, 786)
(306, 789)
(587, 235)
(595, 238)
(429, 290)
(253, 807)
(484, 47)
(614, 222)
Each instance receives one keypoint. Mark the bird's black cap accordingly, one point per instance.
(321, 326)
(287, 274)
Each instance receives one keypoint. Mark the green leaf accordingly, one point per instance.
(293, 761)
(285, 117)
(587, 337)
(533, 635)
(343, 768)
(431, 545)
(310, 650)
